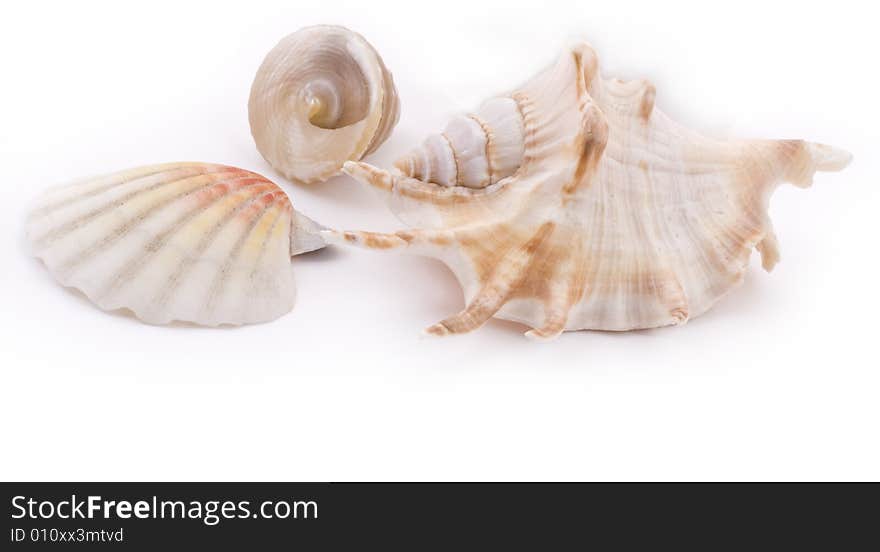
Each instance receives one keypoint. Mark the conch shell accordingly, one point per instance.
(195, 242)
(572, 203)
(321, 97)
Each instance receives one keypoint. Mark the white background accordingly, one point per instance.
(779, 381)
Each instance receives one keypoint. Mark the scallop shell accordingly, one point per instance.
(195, 242)
(321, 97)
(614, 217)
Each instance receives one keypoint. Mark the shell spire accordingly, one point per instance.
(615, 217)
(474, 150)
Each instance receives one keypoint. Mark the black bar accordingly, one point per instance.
(457, 516)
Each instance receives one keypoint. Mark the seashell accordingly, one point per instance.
(611, 217)
(321, 97)
(474, 150)
(195, 242)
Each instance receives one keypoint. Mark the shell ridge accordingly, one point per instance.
(121, 230)
(221, 277)
(137, 261)
(66, 202)
(487, 151)
(209, 237)
(274, 291)
(105, 208)
(455, 160)
(667, 285)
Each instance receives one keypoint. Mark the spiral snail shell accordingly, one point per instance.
(321, 97)
(572, 203)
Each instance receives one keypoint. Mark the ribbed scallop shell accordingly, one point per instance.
(616, 217)
(195, 242)
(321, 97)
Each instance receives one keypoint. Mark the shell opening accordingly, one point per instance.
(322, 96)
(336, 92)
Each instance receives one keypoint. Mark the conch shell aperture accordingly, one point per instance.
(194, 242)
(321, 97)
(572, 203)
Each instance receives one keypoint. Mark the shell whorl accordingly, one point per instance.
(474, 150)
(321, 97)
